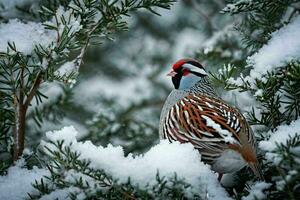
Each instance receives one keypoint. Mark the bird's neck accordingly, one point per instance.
(187, 82)
(197, 84)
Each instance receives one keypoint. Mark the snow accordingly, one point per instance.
(258, 93)
(24, 35)
(256, 191)
(244, 101)
(280, 136)
(8, 8)
(17, 183)
(283, 47)
(67, 68)
(53, 90)
(210, 43)
(234, 7)
(49, 125)
(9, 4)
(289, 177)
(229, 8)
(166, 158)
(73, 23)
(45, 63)
(68, 134)
(27, 35)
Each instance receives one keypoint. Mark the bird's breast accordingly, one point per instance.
(172, 99)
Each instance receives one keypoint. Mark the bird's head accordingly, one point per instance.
(186, 73)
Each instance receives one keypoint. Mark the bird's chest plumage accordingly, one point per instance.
(171, 100)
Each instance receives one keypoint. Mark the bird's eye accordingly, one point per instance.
(185, 71)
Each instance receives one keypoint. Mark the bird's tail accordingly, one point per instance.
(255, 167)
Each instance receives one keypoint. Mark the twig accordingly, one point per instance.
(34, 89)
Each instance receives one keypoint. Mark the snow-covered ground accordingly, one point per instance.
(166, 158)
(283, 47)
(280, 136)
(24, 35)
(18, 181)
(256, 191)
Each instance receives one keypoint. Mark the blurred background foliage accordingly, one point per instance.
(122, 84)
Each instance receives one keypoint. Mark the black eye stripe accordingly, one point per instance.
(176, 80)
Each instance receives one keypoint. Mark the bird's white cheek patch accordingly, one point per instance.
(195, 69)
(201, 71)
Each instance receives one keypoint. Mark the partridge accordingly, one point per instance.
(194, 113)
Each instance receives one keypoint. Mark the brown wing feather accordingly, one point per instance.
(195, 119)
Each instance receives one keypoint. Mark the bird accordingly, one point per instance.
(194, 113)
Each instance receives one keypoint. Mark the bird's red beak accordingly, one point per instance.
(172, 73)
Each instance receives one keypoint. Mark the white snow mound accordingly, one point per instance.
(24, 35)
(283, 47)
(280, 136)
(166, 158)
(18, 182)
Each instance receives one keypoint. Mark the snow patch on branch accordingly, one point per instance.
(68, 68)
(238, 5)
(209, 44)
(283, 47)
(24, 35)
(280, 136)
(9, 8)
(10, 4)
(166, 158)
(66, 19)
(18, 182)
(256, 191)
